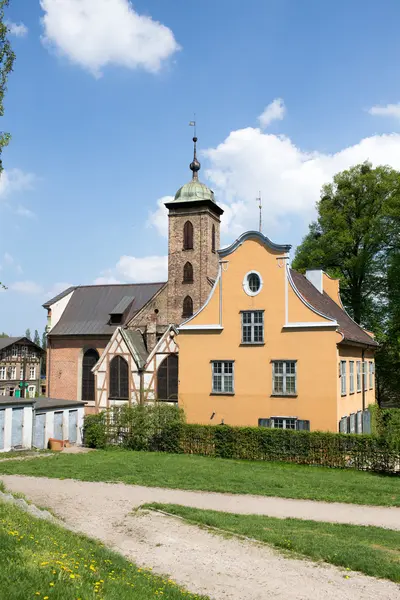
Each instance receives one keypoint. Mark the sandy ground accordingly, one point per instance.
(203, 562)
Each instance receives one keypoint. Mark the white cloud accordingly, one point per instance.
(390, 110)
(17, 29)
(106, 280)
(273, 112)
(15, 180)
(22, 211)
(290, 179)
(96, 33)
(26, 287)
(159, 218)
(146, 269)
(56, 289)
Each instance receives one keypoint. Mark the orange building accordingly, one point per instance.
(272, 347)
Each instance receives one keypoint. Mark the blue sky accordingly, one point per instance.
(99, 123)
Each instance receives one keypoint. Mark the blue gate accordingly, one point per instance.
(72, 426)
(17, 423)
(58, 425)
(39, 431)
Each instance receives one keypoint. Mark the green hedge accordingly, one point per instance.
(386, 424)
(162, 428)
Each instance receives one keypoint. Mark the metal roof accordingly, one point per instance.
(352, 333)
(45, 403)
(135, 342)
(88, 311)
(122, 305)
(8, 400)
(59, 296)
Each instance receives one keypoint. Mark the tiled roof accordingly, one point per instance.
(88, 311)
(324, 304)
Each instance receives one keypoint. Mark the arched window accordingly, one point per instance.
(119, 378)
(167, 379)
(187, 307)
(188, 236)
(90, 358)
(213, 239)
(188, 273)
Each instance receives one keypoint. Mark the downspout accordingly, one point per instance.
(141, 392)
(364, 375)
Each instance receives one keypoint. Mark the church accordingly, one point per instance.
(109, 344)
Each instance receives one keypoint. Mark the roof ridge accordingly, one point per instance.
(120, 284)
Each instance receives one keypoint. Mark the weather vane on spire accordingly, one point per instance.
(194, 165)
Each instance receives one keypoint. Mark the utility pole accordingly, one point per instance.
(259, 200)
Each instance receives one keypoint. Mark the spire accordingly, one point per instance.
(195, 165)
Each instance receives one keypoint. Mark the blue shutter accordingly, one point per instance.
(264, 422)
(303, 425)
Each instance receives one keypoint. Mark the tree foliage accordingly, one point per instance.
(28, 334)
(356, 237)
(36, 338)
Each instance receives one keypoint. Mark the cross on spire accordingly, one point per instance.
(194, 165)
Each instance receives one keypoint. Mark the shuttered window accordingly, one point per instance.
(167, 379)
(285, 423)
(119, 379)
(188, 236)
(90, 358)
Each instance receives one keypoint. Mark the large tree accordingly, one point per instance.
(28, 334)
(357, 227)
(356, 237)
(7, 58)
(36, 338)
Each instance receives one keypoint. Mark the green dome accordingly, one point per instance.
(194, 190)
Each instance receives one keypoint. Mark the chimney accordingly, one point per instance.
(316, 277)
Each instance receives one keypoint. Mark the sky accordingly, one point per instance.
(286, 94)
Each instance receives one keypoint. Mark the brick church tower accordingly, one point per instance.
(193, 241)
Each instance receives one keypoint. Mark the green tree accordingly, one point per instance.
(44, 340)
(36, 338)
(7, 58)
(356, 237)
(357, 226)
(4, 335)
(28, 334)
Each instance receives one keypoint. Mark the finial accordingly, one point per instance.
(194, 165)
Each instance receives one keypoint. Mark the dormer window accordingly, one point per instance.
(120, 311)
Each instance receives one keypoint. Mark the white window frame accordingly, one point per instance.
(343, 378)
(252, 326)
(285, 422)
(32, 369)
(284, 376)
(365, 375)
(351, 376)
(359, 376)
(3, 373)
(13, 373)
(371, 374)
(246, 286)
(225, 377)
(31, 391)
(14, 353)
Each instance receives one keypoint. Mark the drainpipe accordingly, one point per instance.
(141, 397)
(363, 379)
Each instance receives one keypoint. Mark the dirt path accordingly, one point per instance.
(135, 495)
(223, 569)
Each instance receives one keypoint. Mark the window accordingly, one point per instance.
(343, 381)
(253, 327)
(351, 371)
(12, 373)
(188, 273)
(213, 239)
(32, 372)
(365, 374)
(31, 391)
(371, 375)
(283, 423)
(24, 351)
(188, 236)
(358, 376)
(167, 379)
(119, 378)
(2, 373)
(222, 372)
(90, 358)
(15, 351)
(187, 307)
(284, 375)
(252, 283)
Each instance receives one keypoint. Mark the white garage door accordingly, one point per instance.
(39, 431)
(16, 432)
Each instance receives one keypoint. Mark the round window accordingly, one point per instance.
(252, 283)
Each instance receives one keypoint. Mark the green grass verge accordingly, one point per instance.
(370, 550)
(41, 561)
(216, 475)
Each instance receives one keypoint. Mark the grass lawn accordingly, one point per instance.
(41, 561)
(216, 474)
(370, 550)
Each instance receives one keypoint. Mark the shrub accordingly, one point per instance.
(94, 431)
(386, 424)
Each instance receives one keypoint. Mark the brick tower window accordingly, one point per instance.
(213, 239)
(187, 307)
(188, 273)
(188, 236)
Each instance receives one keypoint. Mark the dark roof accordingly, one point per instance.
(59, 296)
(122, 305)
(44, 403)
(324, 304)
(9, 341)
(135, 341)
(88, 311)
(13, 400)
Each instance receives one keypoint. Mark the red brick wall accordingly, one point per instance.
(64, 356)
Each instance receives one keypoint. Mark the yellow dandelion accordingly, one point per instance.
(72, 576)
(45, 598)
(51, 584)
